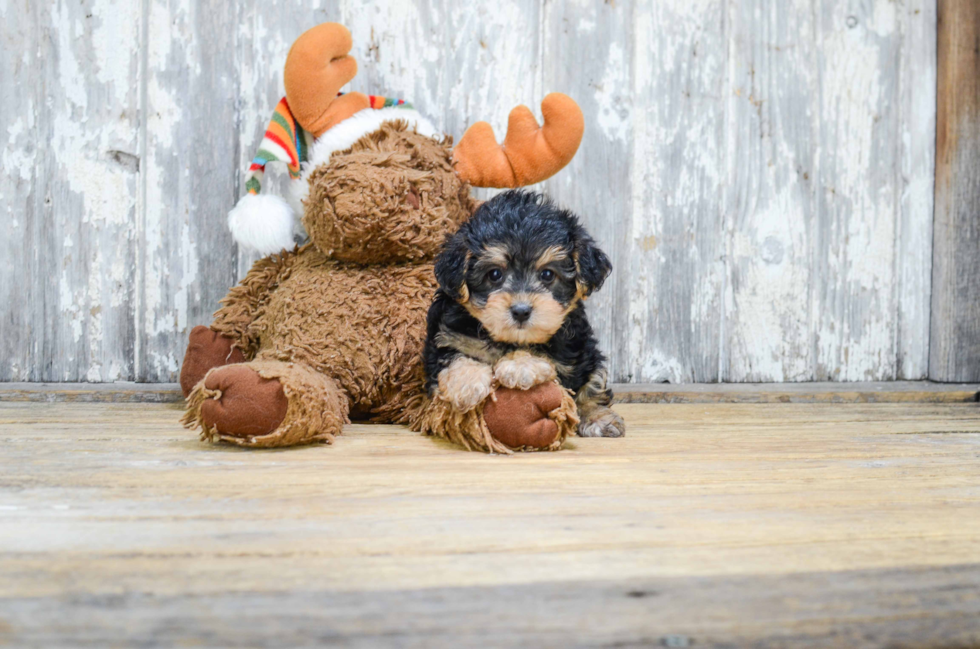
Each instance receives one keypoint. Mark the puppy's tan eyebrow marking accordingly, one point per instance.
(551, 255)
(495, 255)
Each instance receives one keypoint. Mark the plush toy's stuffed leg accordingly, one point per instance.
(206, 350)
(267, 403)
(511, 419)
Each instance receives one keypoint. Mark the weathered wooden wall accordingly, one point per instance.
(761, 171)
(955, 334)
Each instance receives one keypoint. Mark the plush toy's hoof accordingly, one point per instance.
(244, 404)
(519, 418)
(206, 349)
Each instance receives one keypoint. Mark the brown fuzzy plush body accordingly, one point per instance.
(363, 326)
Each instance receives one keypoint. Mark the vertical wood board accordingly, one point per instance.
(955, 350)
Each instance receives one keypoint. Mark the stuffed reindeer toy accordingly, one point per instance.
(334, 329)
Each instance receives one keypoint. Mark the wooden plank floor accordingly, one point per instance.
(709, 525)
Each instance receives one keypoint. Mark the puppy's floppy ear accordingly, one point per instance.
(592, 264)
(451, 267)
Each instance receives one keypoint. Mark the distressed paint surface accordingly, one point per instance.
(761, 172)
(70, 187)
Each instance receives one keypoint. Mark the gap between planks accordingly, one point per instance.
(871, 392)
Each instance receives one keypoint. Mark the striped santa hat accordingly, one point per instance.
(266, 223)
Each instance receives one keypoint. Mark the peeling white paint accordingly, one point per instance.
(67, 30)
(767, 309)
(16, 160)
(615, 112)
(188, 279)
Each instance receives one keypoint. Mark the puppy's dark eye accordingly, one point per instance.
(495, 275)
(547, 275)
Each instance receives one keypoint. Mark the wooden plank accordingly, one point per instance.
(725, 525)
(86, 191)
(828, 259)
(870, 608)
(954, 353)
(18, 202)
(770, 204)
(858, 192)
(675, 245)
(190, 175)
(917, 121)
(587, 54)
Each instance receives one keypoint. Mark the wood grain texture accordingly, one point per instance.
(760, 171)
(955, 351)
(912, 607)
(725, 525)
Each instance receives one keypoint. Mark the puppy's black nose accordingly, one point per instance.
(521, 312)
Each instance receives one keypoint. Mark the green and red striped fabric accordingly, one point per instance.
(288, 142)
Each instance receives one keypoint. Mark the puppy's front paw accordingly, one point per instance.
(465, 383)
(602, 422)
(522, 371)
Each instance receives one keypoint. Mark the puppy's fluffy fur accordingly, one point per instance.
(512, 282)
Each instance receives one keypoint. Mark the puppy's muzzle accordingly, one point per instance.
(520, 312)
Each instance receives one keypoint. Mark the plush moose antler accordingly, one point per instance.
(318, 66)
(529, 154)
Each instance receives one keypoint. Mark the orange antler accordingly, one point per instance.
(529, 154)
(317, 68)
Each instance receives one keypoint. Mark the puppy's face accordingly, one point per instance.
(521, 294)
(520, 266)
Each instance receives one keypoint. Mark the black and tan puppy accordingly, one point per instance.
(512, 282)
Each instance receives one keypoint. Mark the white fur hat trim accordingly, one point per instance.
(345, 134)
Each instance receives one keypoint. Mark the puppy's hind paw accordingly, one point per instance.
(603, 422)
